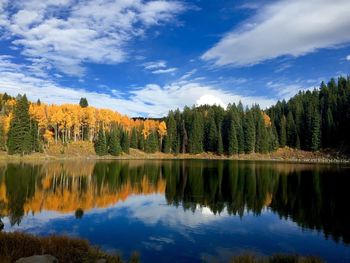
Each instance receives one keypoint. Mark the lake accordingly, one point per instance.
(183, 210)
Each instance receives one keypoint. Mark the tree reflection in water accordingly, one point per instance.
(314, 196)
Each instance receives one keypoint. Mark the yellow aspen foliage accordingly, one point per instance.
(162, 129)
(267, 119)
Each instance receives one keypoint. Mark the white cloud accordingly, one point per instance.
(210, 100)
(163, 71)
(283, 90)
(154, 65)
(68, 33)
(158, 67)
(287, 27)
(151, 100)
(348, 58)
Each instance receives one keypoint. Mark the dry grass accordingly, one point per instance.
(71, 250)
(278, 258)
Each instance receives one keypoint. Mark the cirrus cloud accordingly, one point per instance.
(286, 27)
(66, 33)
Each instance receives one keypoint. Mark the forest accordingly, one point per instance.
(311, 120)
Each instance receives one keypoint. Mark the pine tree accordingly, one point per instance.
(291, 131)
(83, 103)
(249, 133)
(212, 138)
(220, 148)
(100, 143)
(141, 142)
(114, 147)
(2, 138)
(274, 144)
(170, 140)
(196, 134)
(283, 133)
(133, 139)
(19, 135)
(34, 131)
(151, 145)
(316, 132)
(125, 141)
(232, 141)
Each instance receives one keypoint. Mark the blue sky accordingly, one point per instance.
(143, 58)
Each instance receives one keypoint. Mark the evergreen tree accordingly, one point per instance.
(291, 131)
(114, 147)
(141, 142)
(196, 134)
(83, 103)
(101, 143)
(34, 130)
(151, 145)
(274, 144)
(125, 141)
(133, 139)
(170, 141)
(232, 142)
(220, 148)
(316, 132)
(19, 135)
(212, 138)
(249, 132)
(283, 133)
(2, 138)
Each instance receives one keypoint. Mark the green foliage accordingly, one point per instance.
(133, 139)
(83, 103)
(171, 140)
(283, 133)
(101, 143)
(196, 133)
(220, 148)
(20, 135)
(125, 141)
(232, 141)
(151, 145)
(249, 133)
(114, 147)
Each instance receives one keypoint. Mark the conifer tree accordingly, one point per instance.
(170, 140)
(220, 147)
(291, 131)
(83, 103)
(100, 143)
(232, 141)
(133, 138)
(125, 141)
(114, 147)
(316, 132)
(141, 142)
(249, 132)
(283, 133)
(196, 133)
(2, 138)
(212, 139)
(151, 145)
(19, 135)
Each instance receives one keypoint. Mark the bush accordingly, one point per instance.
(71, 250)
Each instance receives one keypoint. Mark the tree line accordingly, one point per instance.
(311, 120)
(27, 127)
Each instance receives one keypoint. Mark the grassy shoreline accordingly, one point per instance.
(281, 155)
(16, 245)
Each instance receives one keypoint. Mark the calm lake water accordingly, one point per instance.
(184, 211)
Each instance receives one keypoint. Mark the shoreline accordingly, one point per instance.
(281, 155)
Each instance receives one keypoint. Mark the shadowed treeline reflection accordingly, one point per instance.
(315, 197)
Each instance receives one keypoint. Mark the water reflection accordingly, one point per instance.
(315, 197)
